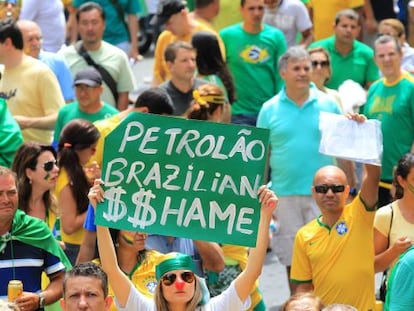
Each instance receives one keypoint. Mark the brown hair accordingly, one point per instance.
(207, 98)
(26, 158)
(78, 134)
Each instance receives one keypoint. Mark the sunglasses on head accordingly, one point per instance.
(169, 278)
(325, 188)
(323, 63)
(49, 165)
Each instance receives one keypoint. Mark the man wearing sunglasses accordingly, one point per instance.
(333, 255)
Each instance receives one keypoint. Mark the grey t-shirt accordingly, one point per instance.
(181, 100)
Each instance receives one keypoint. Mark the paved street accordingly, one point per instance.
(273, 281)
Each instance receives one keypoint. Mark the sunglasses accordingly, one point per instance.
(325, 188)
(169, 278)
(323, 63)
(49, 165)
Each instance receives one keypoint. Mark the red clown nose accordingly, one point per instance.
(179, 284)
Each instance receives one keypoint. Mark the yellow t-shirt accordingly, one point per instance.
(161, 72)
(324, 12)
(239, 254)
(229, 14)
(104, 127)
(76, 237)
(400, 226)
(338, 261)
(38, 96)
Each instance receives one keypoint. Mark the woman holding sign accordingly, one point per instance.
(178, 288)
(208, 104)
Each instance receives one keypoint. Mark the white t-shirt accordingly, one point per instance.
(291, 17)
(227, 300)
(49, 15)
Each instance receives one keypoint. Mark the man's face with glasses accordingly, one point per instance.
(330, 190)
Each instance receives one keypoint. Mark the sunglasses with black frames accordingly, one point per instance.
(49, 165)
(324, 188)
(322, 63)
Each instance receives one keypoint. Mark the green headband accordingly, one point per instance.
(174, 261)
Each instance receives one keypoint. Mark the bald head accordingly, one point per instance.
(330, 172)
(32, 37)
(330, 191)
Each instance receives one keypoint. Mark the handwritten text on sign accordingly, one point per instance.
(183, 178)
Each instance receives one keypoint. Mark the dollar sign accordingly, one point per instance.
(143, 209)
(116, 208)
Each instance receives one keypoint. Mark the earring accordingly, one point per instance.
(30, 181)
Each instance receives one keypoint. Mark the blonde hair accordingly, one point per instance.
(328, 58)
(161, 303)
(394, 24)
(317, 302)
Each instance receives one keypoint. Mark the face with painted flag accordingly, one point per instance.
(44, 175)
(132, 240)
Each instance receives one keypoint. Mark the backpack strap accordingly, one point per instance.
(106, 76)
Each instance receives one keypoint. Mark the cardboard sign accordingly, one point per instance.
(184, 178)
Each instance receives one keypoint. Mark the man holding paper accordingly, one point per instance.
(324, 250)
(391, 100)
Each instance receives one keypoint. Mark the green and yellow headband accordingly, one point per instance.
(174, 261)
(203, 100)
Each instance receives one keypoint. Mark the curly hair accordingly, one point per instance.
(402, 169)
(211, 96)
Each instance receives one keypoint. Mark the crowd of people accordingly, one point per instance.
(65, 84)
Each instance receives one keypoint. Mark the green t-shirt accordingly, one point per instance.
(393, 105)
(358, 65)
(252, 59)
(10, 135)
(190, 5)
(71, 111)
(115, 30)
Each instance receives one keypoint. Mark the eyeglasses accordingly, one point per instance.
(84, 87)
(169, 278)
(325, 188)
(49, 165)
(323, 63)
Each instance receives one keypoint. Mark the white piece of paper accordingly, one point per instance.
(348, 139)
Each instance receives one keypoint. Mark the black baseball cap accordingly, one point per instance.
(89, 76)
(166, 8)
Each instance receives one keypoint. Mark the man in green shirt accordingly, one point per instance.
(350, 59)
(391, 100)
(89, 106)
(252, 51)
